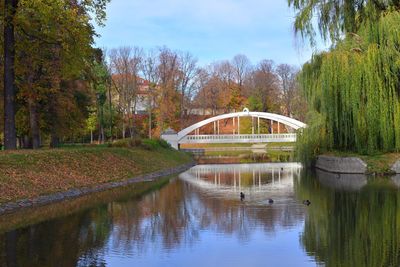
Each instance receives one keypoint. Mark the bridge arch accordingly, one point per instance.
(183, 136)
(295, 124)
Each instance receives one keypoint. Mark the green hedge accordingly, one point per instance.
(149, 144)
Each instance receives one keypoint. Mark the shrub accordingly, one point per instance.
(163, 143)
(312, 140)
(127, 142)
(150, 144)
(135, 142)
(121, 143)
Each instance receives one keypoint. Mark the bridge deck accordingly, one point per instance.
(239, 138)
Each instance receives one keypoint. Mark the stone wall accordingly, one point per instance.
(341, 164)
(396, 167)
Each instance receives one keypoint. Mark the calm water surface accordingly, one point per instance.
(198, 219)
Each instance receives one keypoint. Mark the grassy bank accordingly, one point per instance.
(27, 173)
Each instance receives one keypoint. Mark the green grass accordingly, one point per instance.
(31, 173)
(227, 153)
(284, 144)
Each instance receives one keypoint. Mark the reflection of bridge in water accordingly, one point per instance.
(257, 181)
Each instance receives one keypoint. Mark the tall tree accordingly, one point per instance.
(126, 62)
(188, 71)
(264, 86)
(354, 89)
(100, 82)
(51, 43)
(150, 72)
(288, 83)
(168, 71)
(241, 67)
(10, 138)
(337, 17)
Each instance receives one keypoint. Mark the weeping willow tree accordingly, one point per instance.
(335, 17)
(355, 88)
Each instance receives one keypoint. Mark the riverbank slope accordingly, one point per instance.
(27, 174)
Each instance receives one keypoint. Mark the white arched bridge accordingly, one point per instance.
(192, 134)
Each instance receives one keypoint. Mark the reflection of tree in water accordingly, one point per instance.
(169, 218)
(58, 242)
(352, 228)
(176, 214)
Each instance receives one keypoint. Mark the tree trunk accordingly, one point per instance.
(53, 98)
(34, 124)
(53, 121)
(111, 113)
(10, 137)
(130, 124)
(26, 142)
(102, 124)
(55, 141)
(133, 119)
(150, 121)
(99, 135)
(91, 136)
(182, 115)
(123, 128)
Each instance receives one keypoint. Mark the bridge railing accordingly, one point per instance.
(287, 137)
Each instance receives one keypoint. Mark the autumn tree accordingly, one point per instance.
(52, 45)
(225, 83)
(288, 83)
(100, 80)
(187, 74)
(45, 63)
(241, 67)
(10, 8)
(168, 105)
(125, 66)
(150, 73)
(263, 87)
(201, 99)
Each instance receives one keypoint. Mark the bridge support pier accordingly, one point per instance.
(233, 125)
(238, 131)
(171, 139)
(252, 125)
(272, 127)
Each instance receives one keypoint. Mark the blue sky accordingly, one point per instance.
(211, 30)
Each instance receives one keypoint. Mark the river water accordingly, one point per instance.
(198, 219)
